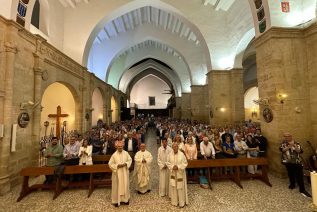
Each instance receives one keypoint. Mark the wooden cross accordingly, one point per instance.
(58, 115)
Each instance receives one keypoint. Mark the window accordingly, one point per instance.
(35, 20)
(151, 100)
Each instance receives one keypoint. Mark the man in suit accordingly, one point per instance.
(130, 144)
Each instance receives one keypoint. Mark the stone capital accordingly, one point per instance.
(10, 47)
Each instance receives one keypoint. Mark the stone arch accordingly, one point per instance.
(179, 66)
(114, 109)
(138, 4)
(242, 46)
(148, 88)
(97, 105)
(144, 74)
(67, 99)
(131, 73)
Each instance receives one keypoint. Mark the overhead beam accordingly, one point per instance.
(115, 27)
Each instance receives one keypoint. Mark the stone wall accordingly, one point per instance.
(177, 108)
(283, 56)
(186, 106)
(199, 103)
(226, 96)
(28, 65)
(311, 81)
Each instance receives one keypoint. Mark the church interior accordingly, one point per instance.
(66, 65)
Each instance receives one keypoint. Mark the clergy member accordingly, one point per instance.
(176, 163)
(142, 170)
(120, 163)
(163, 152)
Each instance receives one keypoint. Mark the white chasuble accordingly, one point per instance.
(142, 171)
(120, 177)
(178, 181)
(164, 171)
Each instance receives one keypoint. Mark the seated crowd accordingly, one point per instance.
(200, 141)
(180, 141)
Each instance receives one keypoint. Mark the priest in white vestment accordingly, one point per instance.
(120, 163)
(177, 163)
(162, 155)
(142, 170)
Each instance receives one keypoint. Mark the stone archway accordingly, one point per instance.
(97, 106)
(251, 109)
(66, 100)
(114, 110)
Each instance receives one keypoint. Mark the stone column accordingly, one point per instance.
(282, 70)
(226, 97)
(36, 113)
(237, 95)
(199, 103)
(177, 108)
(219, 88)
(186, 107)
(9, 50)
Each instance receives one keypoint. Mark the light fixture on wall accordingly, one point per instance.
(262, 101)
(281, 97)
(221, 109)
(29, 105)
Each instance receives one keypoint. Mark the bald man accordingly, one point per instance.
(142, 170)
(120, 163)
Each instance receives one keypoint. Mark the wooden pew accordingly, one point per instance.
(236, 163)
(34, 172)
(57, 186)
(91, 170)
(101, 159)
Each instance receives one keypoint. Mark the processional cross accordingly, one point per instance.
(58, 115)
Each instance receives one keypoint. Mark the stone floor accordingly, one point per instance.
(225, 196)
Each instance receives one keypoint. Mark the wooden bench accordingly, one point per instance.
(236, 163)
(101, 159)
(57, 186)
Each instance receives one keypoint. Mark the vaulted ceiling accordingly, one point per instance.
(147, 15)
(191, 37)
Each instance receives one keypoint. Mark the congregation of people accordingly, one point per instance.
(178, 141)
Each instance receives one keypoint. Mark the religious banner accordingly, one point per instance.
(285, 7)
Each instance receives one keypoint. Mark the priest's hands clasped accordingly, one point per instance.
(122, 165)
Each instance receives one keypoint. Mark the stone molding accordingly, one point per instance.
(61, 59)
(10, 47)
(279, 33)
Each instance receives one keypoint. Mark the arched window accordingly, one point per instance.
(35, 20)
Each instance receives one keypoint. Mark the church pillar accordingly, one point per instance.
(237, 95)
(226, 102)
(199, 103)
(36, 113)
(86, 102)
(283, 80)
(177, 108)
(185, 108)
(8, 53)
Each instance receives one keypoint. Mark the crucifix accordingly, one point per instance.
(58, 115)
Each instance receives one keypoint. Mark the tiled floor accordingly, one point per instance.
(225, 196)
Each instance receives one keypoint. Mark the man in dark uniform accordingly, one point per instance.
(291, 158)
